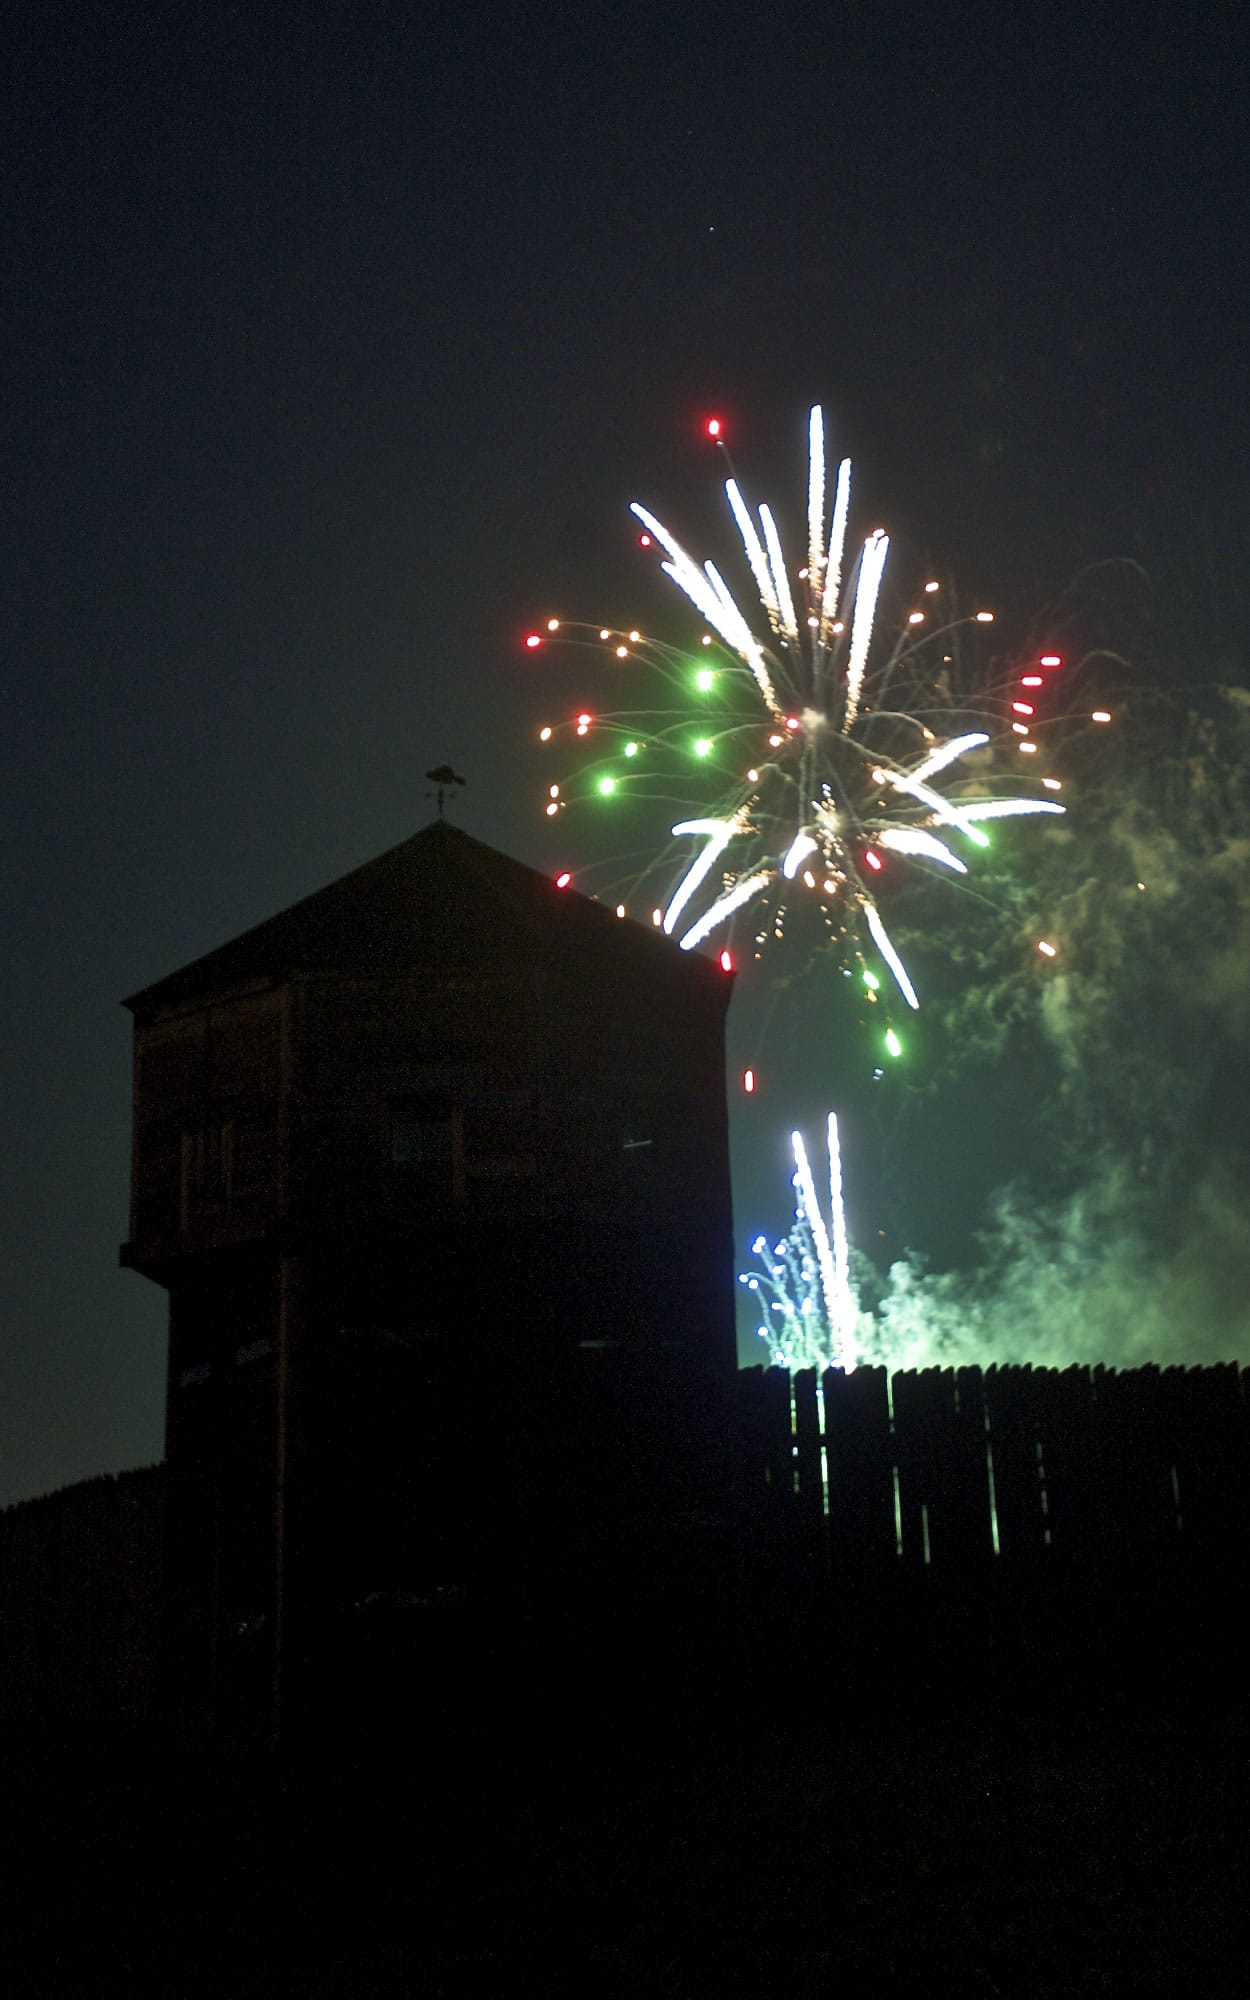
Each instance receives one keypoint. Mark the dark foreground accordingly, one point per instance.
(672, 1819)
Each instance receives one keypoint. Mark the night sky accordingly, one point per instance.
(335, 348)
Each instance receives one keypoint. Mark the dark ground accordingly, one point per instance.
(546, 1820)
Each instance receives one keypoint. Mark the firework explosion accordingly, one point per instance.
(840, 761)
(811, 1315)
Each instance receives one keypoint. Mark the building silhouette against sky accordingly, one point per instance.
(431, 1165)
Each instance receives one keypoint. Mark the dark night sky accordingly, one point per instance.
(335, 347)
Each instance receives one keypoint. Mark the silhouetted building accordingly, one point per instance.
(434, 1168)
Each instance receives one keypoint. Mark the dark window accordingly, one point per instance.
(421, 1131)
(427, 1144)
(207, 1172)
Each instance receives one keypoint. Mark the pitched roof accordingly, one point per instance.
(439, 900)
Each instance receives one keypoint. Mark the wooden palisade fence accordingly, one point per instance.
(1062, 1508)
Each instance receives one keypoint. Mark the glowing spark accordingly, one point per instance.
(944, 812)
(946, 753)
(741, 893)
(881, 939)
(1008, 808)
(914, 840)
(842, 1311)
(1047, 950)
(721, 832)
(755, 554)
(837, 545)
(816, 1223)
(781, 582)
(799, 851)
(872, 563)
(815, 495)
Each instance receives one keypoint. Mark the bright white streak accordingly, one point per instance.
(912, 840)
(755, 553)
(733, 900)
(943, 810)
(871, 565)
(718, 608)
(816, 1223)
(799, 851)
(837, 545)
(842, 1318)
(781, 582)
(881, 938)
(946, 753)
(1009, 808)
(722, 832)
(815, 500)
(744, 640)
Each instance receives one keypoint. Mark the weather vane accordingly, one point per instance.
(444, 777)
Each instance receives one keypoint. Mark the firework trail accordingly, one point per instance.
(811, 1315)
(840, 761)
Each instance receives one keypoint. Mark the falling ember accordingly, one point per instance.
(1046, 948)
(553, 624)
(564, 878)
(1101, 715)
(1050, 660)
(985, 617)
(544, 734)
(533, 640)
(748, 1081)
